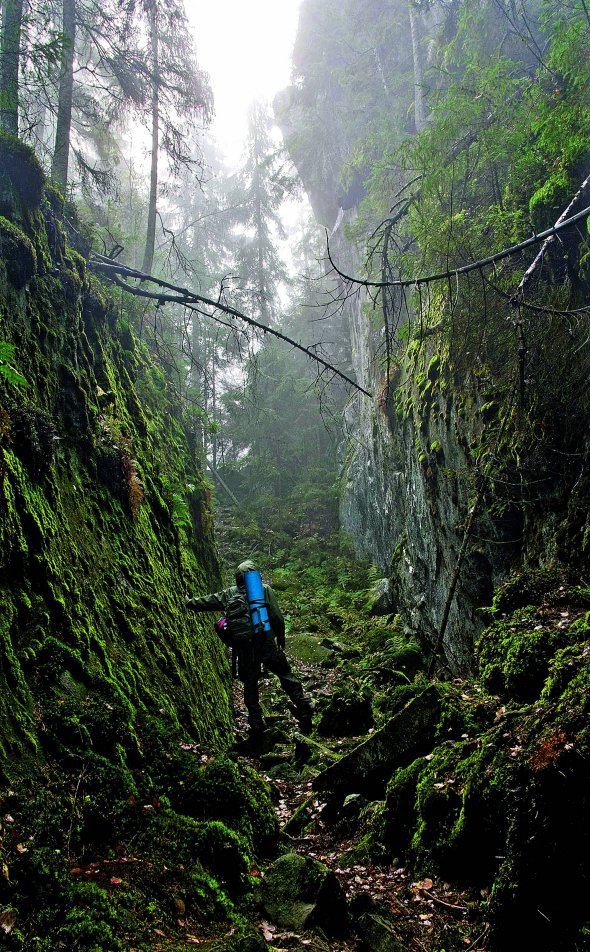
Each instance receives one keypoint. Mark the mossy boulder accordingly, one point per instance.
(376, 925)
(306, 648)
(300, 893)
(551, 585)
(233, 795)
(348, 713)
(515, 653)
(486, 806)
(367, 768)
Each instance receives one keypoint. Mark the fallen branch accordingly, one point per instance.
(550, 233)
(447, 905)
(551, 237)
(183, 296)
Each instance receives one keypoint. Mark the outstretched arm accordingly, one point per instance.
(207, 603)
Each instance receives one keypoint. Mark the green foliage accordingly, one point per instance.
(7, 371)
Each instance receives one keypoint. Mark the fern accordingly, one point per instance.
(181, 514)
(7, 371)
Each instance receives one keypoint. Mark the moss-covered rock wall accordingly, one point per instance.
(94, 452)
(121, 815)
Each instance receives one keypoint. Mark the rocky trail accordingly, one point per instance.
(385, 908)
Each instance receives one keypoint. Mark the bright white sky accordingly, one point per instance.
(245, 46)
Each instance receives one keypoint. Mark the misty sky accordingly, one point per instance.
(245, 46)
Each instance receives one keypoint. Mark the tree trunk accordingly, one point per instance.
(150, 240)
(261, 280)
(10, 40)
(63, 128)
(262, 297)
(419, 96)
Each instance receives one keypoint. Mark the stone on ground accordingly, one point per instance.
(406, 736)
(299, 893)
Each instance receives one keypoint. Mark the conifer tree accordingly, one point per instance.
(260, 190)
(10, 56)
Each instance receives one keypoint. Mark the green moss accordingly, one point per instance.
(104, 674)
(434, 368)
(235, 797)
(21, 173)
(17, 253)
(515, 653)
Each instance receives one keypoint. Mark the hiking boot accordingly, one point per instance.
(304, 717)
(252, 743)
(305, 724)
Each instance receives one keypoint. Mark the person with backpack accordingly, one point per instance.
(255, 629)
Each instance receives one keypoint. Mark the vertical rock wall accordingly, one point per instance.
(402, 497)
(95, 561)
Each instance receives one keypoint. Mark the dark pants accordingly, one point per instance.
(266, 652)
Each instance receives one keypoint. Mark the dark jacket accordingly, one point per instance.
(218, 602)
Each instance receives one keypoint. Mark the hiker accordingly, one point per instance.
(255, 649)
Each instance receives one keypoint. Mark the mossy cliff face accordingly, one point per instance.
(500, 802)
(113, 699)
(416, 455)
(406, 482)
(94, 567)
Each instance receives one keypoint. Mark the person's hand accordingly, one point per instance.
(281, 642)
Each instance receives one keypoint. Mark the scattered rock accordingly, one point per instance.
(406, 736)
(376, 926)
(346, 716)
(299, 893)
(249, 940)
(381, 597)
(300, 819)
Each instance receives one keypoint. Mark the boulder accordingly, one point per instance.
(346, 715)
(376, 926)
(299, 893)
(368, 767)
(381, 597)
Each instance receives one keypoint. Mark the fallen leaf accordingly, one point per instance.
(115, 881)
(7, 920)
(20, 848)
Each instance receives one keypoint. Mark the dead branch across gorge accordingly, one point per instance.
(544, 236)
(117, 272)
